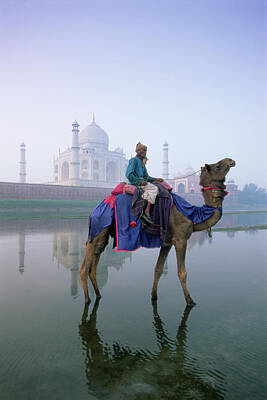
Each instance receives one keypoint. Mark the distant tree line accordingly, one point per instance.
(252, 194)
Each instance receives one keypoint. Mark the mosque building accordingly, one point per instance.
(89, 162)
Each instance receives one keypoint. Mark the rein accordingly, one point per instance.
(186, 176)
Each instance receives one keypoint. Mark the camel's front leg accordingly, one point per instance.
(88, 267)
(180, 247)
(164, 251)
(84, 271)
(92, 274)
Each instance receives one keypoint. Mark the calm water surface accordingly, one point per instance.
(124, 347)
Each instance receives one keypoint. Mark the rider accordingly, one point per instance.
(137, 175)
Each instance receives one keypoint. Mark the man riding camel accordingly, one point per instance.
(137, 175)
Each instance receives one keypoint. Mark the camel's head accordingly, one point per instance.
(214, 174)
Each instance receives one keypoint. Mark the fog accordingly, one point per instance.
(192, 73)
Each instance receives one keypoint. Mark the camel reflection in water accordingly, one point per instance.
(119, 372)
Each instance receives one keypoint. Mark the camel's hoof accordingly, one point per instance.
(189, 302)
(191, 305)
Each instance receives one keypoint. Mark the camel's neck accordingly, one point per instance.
(214, 198)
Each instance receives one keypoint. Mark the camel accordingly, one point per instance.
(180, 229)
(116, 371)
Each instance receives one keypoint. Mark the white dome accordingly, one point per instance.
(178, 174)
(189, 170)
(94, 135)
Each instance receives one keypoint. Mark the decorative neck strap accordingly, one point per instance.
(215, 187)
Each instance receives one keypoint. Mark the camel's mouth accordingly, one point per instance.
(232, 163)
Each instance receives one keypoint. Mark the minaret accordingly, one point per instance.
(75, 156)
(165, 162)
(74, 256)
(21, 251)
(22, 164)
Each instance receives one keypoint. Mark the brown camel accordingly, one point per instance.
(180, 228)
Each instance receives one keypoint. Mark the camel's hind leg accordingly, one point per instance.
(90, 262)
(180, 247)
(84, 270)
(164, 251)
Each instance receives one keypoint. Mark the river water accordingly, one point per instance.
(125, 347)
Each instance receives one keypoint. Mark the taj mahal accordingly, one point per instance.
(89, 162)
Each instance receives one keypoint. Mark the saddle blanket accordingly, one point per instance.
(129, 233)
(194, 213)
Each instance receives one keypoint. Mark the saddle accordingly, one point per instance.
(121, 211)
(159, 213)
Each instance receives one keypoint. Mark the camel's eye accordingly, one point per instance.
(218, 167)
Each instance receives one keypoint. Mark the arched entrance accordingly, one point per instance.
(181, 188)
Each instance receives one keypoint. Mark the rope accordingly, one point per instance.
(182, 177)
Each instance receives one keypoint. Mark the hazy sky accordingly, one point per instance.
(189, 72)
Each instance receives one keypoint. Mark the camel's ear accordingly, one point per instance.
(207, 167)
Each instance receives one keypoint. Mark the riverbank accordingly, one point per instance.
(240, 228)
(27, 209)
(260, 211)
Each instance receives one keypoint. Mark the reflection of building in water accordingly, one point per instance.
(69, 250)
(228, 221)
(231, 234)
(197, 238)
(69, 238)
(21, 251)
(165, 268)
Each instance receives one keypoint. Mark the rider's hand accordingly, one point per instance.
(144, 183)
(158, 180)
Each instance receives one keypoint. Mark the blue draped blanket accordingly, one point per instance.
(101, 217)
(194, 213)
(129, 235)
